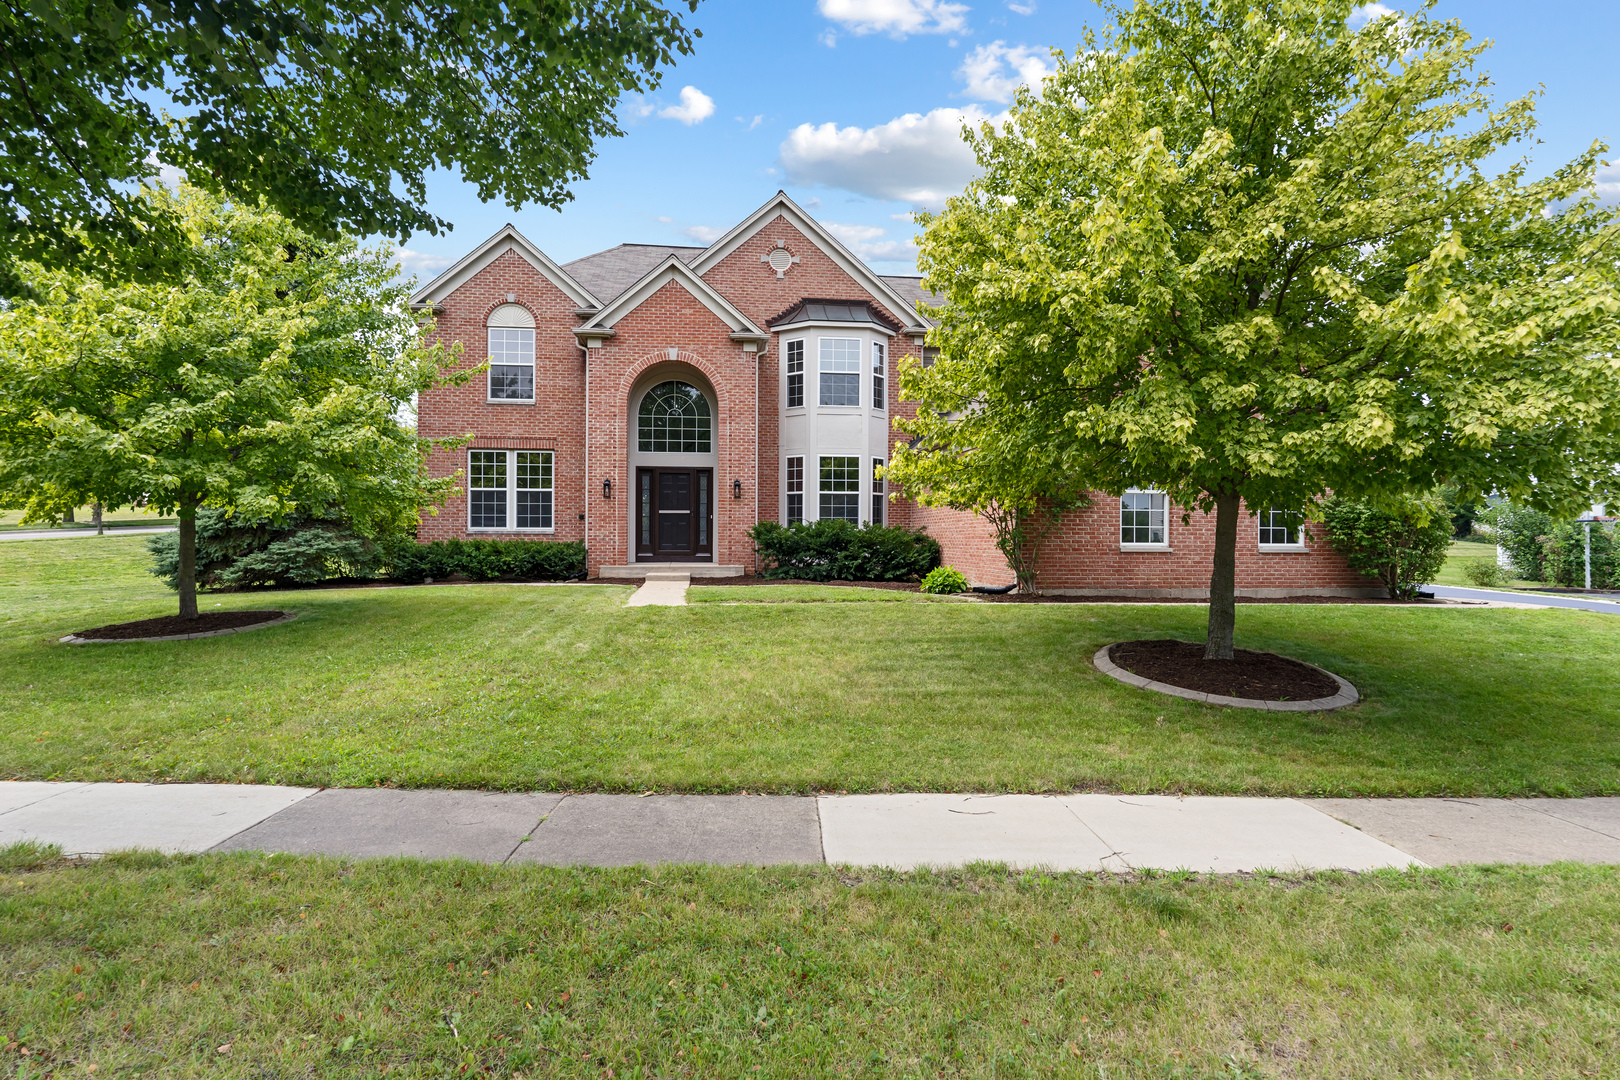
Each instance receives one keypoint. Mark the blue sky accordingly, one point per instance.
(853, 107)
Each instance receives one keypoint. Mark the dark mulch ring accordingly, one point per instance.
(174, 625)
(1258, 676)
(750, 579)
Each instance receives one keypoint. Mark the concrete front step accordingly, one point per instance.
(697, 570)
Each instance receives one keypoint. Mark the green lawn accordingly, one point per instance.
(1461, 553)
(11, 520)
(562, 687)
(253, 966)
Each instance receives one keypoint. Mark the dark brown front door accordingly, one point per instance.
(674, 515)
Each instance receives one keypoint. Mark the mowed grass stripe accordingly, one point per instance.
(562, 687)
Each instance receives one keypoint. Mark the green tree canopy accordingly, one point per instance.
(1236, 249)
(269, 380)
(333, 111)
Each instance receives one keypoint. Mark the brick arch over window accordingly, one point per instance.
(711, 373)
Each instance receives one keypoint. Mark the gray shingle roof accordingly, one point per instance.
(608, 273)
(911, 287)
(850, 311)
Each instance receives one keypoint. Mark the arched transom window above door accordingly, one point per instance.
(675, 419)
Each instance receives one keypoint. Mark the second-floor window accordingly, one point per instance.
(840, 371)
(795, 374)
(880, 370)
(511, 354)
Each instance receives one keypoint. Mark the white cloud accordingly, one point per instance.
(664, 220)
(1608, 182)
(913, 158)
(902, 217)
(708, 234)
(418, 262)
(897, 18)
(1022, 9)
(868, 242)
(1366, 13)
(695, 107)
(638, 107)
(994, 72)
(750, 125)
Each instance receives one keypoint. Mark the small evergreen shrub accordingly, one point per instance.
(485, 560)
(944, 580)
(1484, 573)
(834, 550)
(239, 552)
(1404, 549)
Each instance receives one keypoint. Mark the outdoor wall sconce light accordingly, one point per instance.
(736, 489)
(607, 489)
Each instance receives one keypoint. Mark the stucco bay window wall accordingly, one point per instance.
(833, 374)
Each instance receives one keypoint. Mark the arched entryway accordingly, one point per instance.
(674, 441)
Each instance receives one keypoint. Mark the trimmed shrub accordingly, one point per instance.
(238, 552)
(1484, 573)
(944, 580)
(1404, 549)
(485, 560)
(835, 550)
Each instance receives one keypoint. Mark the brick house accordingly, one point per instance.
(658, 401)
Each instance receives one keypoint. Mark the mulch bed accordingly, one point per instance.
(748, 579)
(174, 625)
(1018, 598)
(1255, 675)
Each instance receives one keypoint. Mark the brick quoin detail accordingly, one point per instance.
(1082, 556)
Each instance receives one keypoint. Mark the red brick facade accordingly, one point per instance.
(703, 318)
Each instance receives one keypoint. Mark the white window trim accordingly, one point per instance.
(511, 494)
(1164, 547)
(534, 391)
(803, 373)
(1296, 548)
(862, 382)
(879, 348)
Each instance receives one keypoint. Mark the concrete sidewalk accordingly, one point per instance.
(75, 534)
(1062, 832)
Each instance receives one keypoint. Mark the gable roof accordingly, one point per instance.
(671, 269)
(506, 238)
(781, 206)
(608, 273)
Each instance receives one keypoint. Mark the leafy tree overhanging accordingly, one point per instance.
(1244, 253)
(333, 111)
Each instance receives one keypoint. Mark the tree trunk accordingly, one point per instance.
(95, 517)
(67, 517)
(1223, 582)
(188, 563)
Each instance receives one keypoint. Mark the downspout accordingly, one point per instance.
(585, 353)
(759, 359)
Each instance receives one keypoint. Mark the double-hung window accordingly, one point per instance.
(1279, 528)
(840, 371)
(880, 370)
(1141, 518)
(795, 375)
(511, 353)
(795, 490)
(510, 489)
(841, 489)
(877, 491)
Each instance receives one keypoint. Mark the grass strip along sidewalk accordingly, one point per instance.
(561, 687)
(259, 966)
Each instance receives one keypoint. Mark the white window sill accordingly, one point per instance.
(841, 408)
(1284, 549)
(1146, 547)
(509, 401)
(509, 532)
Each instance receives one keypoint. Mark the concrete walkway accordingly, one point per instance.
(79, 534)
(1062, 832)
(662, 588)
